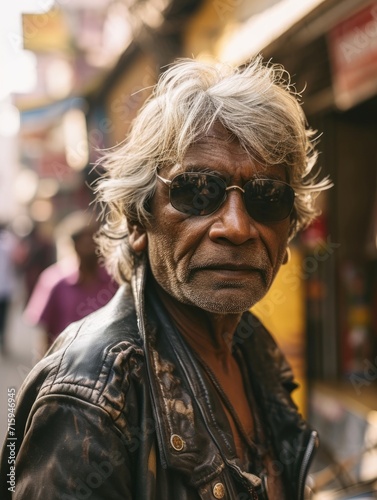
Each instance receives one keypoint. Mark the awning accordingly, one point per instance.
(304, 19)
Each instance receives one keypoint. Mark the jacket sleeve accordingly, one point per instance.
(71, 451)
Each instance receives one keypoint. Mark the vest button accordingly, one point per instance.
(219, 490)
(177, 442)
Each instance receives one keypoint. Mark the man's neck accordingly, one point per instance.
(211, 330)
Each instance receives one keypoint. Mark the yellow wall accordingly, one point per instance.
(282, 311)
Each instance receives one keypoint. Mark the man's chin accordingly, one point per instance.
(221, 302)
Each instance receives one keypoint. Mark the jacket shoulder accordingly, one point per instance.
(94, 360)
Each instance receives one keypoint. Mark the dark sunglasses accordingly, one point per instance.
(266, 200)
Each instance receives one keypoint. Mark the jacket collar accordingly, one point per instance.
(184, 442)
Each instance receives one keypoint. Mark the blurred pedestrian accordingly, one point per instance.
(34, 253)
(7, 278)
(73, 287)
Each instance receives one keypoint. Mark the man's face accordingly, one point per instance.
(223, 262)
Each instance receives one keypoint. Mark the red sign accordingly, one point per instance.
(353, 54)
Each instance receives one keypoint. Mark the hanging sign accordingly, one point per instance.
(353, 55)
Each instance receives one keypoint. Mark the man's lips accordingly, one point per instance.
(228, 267)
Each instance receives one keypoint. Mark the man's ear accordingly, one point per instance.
(137, 237)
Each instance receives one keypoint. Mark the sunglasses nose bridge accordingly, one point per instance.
(234, 188)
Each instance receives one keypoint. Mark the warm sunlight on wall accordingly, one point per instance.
(282, 311)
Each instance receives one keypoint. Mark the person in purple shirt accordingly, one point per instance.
(73, 288)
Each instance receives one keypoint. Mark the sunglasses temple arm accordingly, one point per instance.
(167, 182)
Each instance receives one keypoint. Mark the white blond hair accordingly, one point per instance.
(256, 103)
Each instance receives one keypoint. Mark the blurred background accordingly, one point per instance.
(74, 75)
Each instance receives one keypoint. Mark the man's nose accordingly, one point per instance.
(232, 222)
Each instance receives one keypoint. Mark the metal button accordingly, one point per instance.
(219, 490)
(177, 442)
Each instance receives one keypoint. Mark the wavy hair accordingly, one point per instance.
(256, 103)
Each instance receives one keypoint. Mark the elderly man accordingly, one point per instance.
(174, 391)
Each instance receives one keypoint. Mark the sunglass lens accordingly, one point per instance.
(268, 200)
(197, 194)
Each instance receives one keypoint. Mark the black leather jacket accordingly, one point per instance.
(120, 409)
